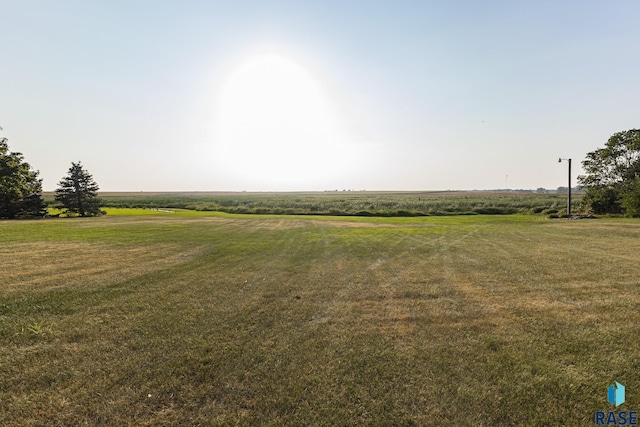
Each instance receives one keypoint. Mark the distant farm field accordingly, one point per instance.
(202, 318)
(350, 203)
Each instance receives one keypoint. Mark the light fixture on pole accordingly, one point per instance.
(569, 198)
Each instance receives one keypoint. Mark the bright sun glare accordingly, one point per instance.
(276, 127)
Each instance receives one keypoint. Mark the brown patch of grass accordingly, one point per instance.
(352, 224)
(43, 266)
(287, 223)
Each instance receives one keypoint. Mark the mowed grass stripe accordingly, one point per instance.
(272, 320)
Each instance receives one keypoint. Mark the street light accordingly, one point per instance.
(569, 199)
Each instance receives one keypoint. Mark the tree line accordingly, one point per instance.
(611, 182)
(21, 189)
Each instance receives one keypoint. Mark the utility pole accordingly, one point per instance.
(569, 198)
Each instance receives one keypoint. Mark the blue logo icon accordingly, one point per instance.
(616, 394)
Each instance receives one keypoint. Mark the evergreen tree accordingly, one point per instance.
(20, 188)
(77, 192)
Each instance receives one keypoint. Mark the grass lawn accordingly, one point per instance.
(196, 318)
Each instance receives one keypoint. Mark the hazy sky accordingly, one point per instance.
(315, 95)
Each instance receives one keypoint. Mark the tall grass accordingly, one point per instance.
(350, 203)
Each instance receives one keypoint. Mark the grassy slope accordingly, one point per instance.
(194, 318)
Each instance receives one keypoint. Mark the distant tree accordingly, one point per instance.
(20, 187)
(77, 192)
(612, 179)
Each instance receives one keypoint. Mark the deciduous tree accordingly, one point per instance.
(613, 175)
(77, 192)
(20, 187)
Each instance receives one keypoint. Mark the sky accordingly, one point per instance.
(189, 95)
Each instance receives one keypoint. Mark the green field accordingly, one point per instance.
(198, 318)
(350, 203)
